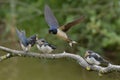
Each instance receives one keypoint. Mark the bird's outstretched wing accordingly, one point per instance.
(99, 58)
(52, 46)
(50, 18)
(67, 26)
(22, 37)
(20, 34)
(23, 32)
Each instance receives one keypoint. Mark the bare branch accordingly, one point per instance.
(78, 58)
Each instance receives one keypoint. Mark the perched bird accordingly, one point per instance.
(95, 59)
(26, 43)
(55, 29)
(44, 46)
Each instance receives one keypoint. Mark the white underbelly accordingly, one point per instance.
(27, 48)
(92, 61)
(62, 34)
(45, 49)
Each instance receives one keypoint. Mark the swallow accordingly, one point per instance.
(44, 46)
(55, 29)
(93, 58)
(26, 43)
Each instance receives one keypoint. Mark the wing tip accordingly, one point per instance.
(81, 18)
(46, 8)
(17, 31)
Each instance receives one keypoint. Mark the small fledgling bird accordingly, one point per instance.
(44, 46)
(55, 29)
(26, 43)
(95, 59)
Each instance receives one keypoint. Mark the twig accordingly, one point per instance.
(78, 58)
(4, 57)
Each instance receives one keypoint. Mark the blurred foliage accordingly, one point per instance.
(100, 31)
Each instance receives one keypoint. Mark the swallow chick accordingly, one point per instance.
(95, 59)
(55, 29)
(26, 43)
(44, 46)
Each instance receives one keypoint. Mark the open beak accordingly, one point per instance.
(86, 54)
(50, 31)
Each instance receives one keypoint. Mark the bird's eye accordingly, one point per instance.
(53, 31)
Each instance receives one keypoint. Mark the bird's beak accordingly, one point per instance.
(36, 37)
(49, 32)
(86, 54)
(37, 41)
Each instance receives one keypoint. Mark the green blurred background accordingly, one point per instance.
(100, 32)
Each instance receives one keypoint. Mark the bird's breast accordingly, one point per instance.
(45, 49)
(62, 34)
(92, 60)
(25, 48)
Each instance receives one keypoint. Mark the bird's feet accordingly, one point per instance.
(88, 68)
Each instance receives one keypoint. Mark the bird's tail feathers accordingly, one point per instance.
(72, 42)
(105, 63)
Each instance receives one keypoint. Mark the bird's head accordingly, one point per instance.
(53, 31)
(34, 37)
(88, 52)
(32, 40)
(41, 41)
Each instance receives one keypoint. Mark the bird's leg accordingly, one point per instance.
(88, 68)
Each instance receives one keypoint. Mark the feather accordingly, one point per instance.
(67, 26)
(50, 18)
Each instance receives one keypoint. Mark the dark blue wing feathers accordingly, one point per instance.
(22, 37)
(52, 46)
(50, 18)
(99, 58)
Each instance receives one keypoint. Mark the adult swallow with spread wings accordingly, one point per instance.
(26, 43)
(60, 31)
